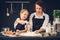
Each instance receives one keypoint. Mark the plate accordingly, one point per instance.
(33, 34)
(8, 35)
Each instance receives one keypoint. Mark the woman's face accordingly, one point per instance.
(38, 9)
(24, 15)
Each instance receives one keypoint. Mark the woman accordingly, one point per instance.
(21, 24)
(38, 19)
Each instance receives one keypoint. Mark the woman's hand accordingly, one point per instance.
(38, 31)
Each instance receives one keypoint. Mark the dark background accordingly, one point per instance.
(8, 21)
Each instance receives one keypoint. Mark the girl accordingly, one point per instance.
(21, 24)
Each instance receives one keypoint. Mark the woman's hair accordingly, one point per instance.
(40, 3)
(23, 10)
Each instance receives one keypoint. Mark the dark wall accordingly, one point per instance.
(7, 21)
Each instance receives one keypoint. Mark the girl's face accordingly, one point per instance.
(24, 15)
(38, 8)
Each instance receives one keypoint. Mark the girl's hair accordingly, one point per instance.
(23, 10)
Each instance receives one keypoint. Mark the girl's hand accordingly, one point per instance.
(17, 30)
(27, 22)
(21, 22)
